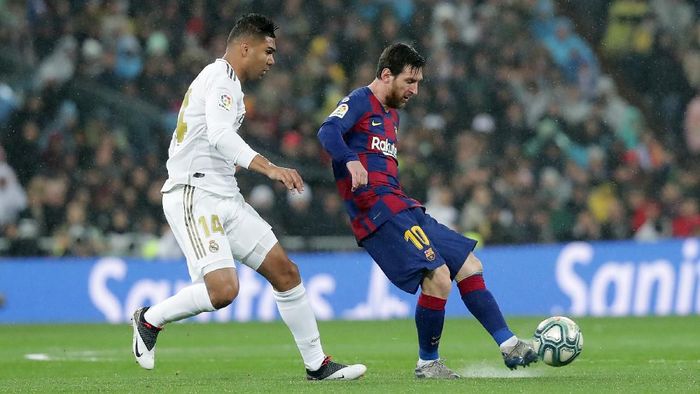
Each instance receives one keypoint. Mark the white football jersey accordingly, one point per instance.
(211, 113)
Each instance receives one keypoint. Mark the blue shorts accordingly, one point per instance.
(412, 243)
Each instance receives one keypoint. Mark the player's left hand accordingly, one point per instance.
(358, 174)
(289, 176)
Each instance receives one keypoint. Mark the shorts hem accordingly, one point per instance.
(255, 257)
(414, 288)
(213, 266)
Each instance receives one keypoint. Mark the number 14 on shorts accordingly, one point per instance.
(216, 226)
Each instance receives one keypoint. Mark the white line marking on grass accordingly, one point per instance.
(665, 361)
(37, 357)
(89, 356)
(485, 370)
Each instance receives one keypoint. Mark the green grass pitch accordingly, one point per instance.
(628, 355)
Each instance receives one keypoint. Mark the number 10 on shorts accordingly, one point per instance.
(417, 237)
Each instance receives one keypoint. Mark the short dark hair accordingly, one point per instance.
(397, 56)
(252, 25)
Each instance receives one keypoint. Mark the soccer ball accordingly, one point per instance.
(558, 341)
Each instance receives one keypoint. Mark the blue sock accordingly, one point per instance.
(484, 307)
(430, 318)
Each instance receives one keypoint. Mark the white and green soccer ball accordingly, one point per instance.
(558, 341)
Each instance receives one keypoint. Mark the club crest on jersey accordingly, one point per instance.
(340, 111)
(213, 246)
(384, 146)
(429, 254)
(226, 102)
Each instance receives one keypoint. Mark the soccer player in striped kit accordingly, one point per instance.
(209, 218)
(412, 248)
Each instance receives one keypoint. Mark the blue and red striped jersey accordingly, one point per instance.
(361, 129)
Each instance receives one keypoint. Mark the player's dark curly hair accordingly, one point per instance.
(397, 56)
(252, 25)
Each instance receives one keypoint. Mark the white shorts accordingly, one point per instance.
(213, 230)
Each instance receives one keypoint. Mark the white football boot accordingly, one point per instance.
(144, 344)
(331, 370)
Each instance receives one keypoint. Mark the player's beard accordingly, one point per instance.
(394, 99)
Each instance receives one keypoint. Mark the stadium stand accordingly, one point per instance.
(518, 134)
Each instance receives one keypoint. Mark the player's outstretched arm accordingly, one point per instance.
(289, 176)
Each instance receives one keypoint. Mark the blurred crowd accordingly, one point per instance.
(519, 133)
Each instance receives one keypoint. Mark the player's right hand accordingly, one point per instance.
(358, 174)
(289, 176)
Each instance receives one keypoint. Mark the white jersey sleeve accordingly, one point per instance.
(206, 147)
(219, 111)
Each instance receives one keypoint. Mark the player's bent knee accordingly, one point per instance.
(437, 283)
(222, 286)
(280, 271)
(288, 276)
(472, 265)
(223, 296)
(291, 270)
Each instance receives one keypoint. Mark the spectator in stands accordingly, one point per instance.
(624, 18)
(655, 224)
(440, 205)
(8, 102)
(83, 238)
(168, 247)
(586, 227)
(692, 126)
(476, 210)
(687, 222)
(300, 215)
(676, 17)
(691, 57)
(59, 67)
(13, 199)
(262, 197)
(23, 239)
(569, 51)
(616, 225)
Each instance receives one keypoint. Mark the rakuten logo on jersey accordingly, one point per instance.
(384, 146)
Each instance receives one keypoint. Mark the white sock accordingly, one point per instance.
(422, 362)
(508, 344)
(296, 312)
(191, 300)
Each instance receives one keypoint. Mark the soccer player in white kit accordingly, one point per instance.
(207, 213)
